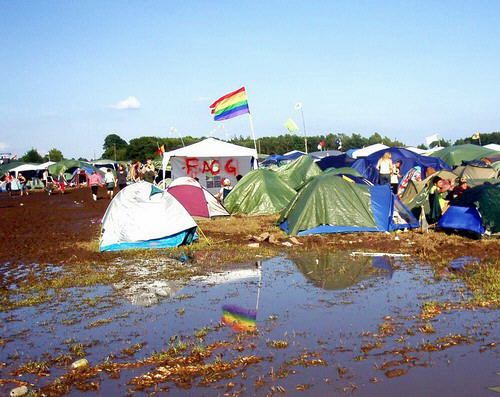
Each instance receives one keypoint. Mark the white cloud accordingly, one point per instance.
(3, 146)
(129, 103)
(202, 98)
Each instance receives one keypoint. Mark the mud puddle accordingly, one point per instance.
(315, 324)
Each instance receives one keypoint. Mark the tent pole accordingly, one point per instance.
(204, 236)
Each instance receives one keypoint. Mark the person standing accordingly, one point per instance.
(384, 167)
(8, 183)
(45, 177)
(22, 182)
(110, 181)
(148, 171)
(94, 182)
(121, 176)
(224, 190)
(61, 181)
(395, 176)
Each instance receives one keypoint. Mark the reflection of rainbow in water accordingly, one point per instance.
(239, 318)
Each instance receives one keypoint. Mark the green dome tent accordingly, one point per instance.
(260, 192)
(455, 155)
(297, 172)
(330, 204)
(344, 170)
(69, 166)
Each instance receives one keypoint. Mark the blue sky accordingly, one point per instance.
(401, 68)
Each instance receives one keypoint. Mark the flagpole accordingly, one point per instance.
(250, 119)
(304, 124)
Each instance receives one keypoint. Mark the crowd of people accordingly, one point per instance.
(441, 193)
(119, 178)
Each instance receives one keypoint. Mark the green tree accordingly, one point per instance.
(493, 137)
(114, 144)
(53, 155)
(32, 156)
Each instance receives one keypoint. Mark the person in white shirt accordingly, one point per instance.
(110, 181)
(384, 167)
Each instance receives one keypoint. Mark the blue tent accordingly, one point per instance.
(476, 211)
(367, 165)
(342, 160)
(277, 159)
(462, 218)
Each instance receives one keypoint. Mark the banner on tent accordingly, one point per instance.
(210, 171)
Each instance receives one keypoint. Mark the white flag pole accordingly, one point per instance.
(298, 106)
(253, 137)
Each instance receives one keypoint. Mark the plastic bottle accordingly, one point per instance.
(82, 363)
(19, 391)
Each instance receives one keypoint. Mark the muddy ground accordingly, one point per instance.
(65, 229)
(62, 300)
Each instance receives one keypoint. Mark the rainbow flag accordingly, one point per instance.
(239, 318)
(230, 105)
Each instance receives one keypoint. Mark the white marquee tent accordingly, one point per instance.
(366, 151)
(211, 160)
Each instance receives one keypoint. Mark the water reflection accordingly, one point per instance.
(337, 271)
(385, 263)
(459, 264)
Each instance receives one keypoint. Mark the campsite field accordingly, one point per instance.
(327, 321)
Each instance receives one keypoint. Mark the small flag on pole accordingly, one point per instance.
(291, 126)
(160, 150)
(475, 136)
(431, 138)
(230, 105)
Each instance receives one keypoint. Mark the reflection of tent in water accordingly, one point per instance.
(147, 293)
(333, 271)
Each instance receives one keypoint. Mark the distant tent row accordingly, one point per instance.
(321, 193)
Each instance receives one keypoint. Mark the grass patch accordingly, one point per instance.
(484, 282)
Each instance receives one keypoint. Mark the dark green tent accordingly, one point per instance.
(260, 192)
(486, 199)
(344, 170)
(455, 155)
(297, 172)
(331, 204)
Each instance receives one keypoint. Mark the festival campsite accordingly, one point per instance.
(249, 199)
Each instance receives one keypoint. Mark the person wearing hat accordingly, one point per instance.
(224, 190)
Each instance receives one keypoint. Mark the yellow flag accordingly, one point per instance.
(291, 126)
(475, 136)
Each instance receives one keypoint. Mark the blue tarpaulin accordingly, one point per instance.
(462, 218)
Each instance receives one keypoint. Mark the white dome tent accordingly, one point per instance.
(144, 216)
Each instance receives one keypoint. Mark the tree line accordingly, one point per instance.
(141, 148)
